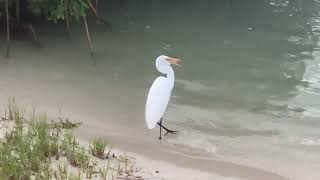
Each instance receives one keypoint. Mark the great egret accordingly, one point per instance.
(159, 93)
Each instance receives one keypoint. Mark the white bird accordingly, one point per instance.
(160, 92)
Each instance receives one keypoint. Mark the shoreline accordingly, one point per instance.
(162, 155)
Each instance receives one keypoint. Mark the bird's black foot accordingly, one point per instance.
(171, 132)
(168, 130)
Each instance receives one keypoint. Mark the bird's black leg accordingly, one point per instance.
(160, 128)
(168, 130)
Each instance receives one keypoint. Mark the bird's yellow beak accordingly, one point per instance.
(173, 61)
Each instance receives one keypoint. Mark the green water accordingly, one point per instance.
(248, 89)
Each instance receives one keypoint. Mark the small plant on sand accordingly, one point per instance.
(82, 158)
(62, 172)
(98, 147)
(89, 172)
(74, 177)
(78, 157)
(103, 173)
(125, 161)
(13, 111)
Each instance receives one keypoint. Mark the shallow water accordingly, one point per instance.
(248, 90)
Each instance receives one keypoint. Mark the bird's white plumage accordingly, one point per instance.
(157, 101)
(160, 91)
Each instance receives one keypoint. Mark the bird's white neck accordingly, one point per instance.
(170, 76)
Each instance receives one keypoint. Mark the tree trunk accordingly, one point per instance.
(7, 54)
(95, 12)
(88, 34)
(67, 16)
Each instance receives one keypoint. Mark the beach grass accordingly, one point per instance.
(98, 147)
(33, 148)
